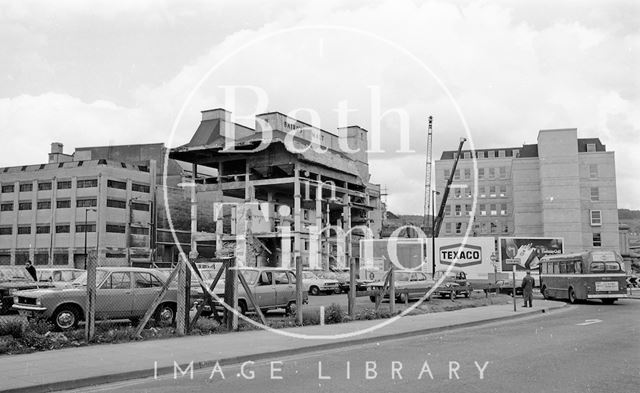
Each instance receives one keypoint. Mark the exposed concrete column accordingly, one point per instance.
(296, 242)
(319, 235)
(219, 214)
(347, 227)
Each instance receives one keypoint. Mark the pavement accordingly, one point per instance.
(73, 368)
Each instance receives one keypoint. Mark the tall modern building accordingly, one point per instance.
(57, 212)
(563, 186)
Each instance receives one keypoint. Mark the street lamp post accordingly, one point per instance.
(86, 210)
(433, 235)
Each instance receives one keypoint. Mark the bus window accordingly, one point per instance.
(596, 267)
(563, 267)
(613, 267)
(570, 267)
(578, 267)
(556, 269)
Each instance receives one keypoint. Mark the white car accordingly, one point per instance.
(315, 284)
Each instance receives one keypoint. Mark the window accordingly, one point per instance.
(503, 209)
(24, 206)
(467, 192)
(60, 259)
(595, 194)
(41, 258)
(6, 207)
(146, 280)
(64, 185)
(503, 172)
(494, 227)
(467, 173)
(63, 228)
(505, 228)
(447, 210)
(467, 209)
(596, 218)
(492, 173)
(494, 209)
(44, 186)
(596, 267)
(116, 228)
(597, 240)
(458, 193)
(117, 280)
(120, 185)
(482, 191)
(503, 190)
(593, 171)
(457, 175)
(492, 191)
(7, 188)
(81, 228)
(515, 152)
(139, 231)
(591, 147)
(458, 227)
(491, 154)
(26, 187)
(447, 227)
(140, 188)
(116, 203)
(6, 230)
(43, 205)
(292, 277)
(483, 209)
(87, 183)
(140, 206)
(43, 229)
(24, 230)
(265, 278)
(91, 202)
(63, 204)
(447, 173)
(458, 210)
(502, 153)
(480, 173)
(280, 278)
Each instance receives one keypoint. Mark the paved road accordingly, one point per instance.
(587, 348)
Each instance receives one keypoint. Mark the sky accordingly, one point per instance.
(125, 72)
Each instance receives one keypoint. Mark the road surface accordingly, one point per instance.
(585, 348)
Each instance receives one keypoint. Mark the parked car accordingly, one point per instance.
(12, 279)
(418, 282)
(344, 279)
(122, 293)
(506, 286)
(343, 284)
(454, 283)
(59, 277)
(272, 288)
(317, 284)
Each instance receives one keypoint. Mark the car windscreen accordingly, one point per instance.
(402, 276)
(14, 274)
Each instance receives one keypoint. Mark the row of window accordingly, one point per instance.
(493, 191)
(80, 183)
(482, 209)
(489, 154)
(66, 228)
(66, 203)
(483, 173)
(478, 228)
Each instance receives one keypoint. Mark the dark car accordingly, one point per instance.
(454, 283)
(12, 279)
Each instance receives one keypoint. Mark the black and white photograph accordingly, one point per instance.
(319, 196)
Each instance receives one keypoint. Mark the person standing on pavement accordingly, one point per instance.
(527, 289)
(31, 269)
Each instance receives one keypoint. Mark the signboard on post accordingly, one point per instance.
(525, 252)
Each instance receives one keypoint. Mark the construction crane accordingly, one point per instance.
(427, 179)
(445, 195)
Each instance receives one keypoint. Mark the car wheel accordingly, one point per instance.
(242, 307)
(572, 296)
(291, 308)
(403, 297)
(66, 317)
(452, 295)
(314, 291)
(466, 294)
(166, 314)
(372, 298)
(608, 301)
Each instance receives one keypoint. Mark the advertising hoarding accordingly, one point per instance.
(525, 252)
(473, 255)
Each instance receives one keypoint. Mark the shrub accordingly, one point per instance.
(206, 326)
(310, 317)
(14, 327)
(39, 325)
(334, 314)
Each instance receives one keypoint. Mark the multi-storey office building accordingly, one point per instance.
(563, 186)
(54, 213)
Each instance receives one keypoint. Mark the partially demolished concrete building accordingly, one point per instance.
(287, 191)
